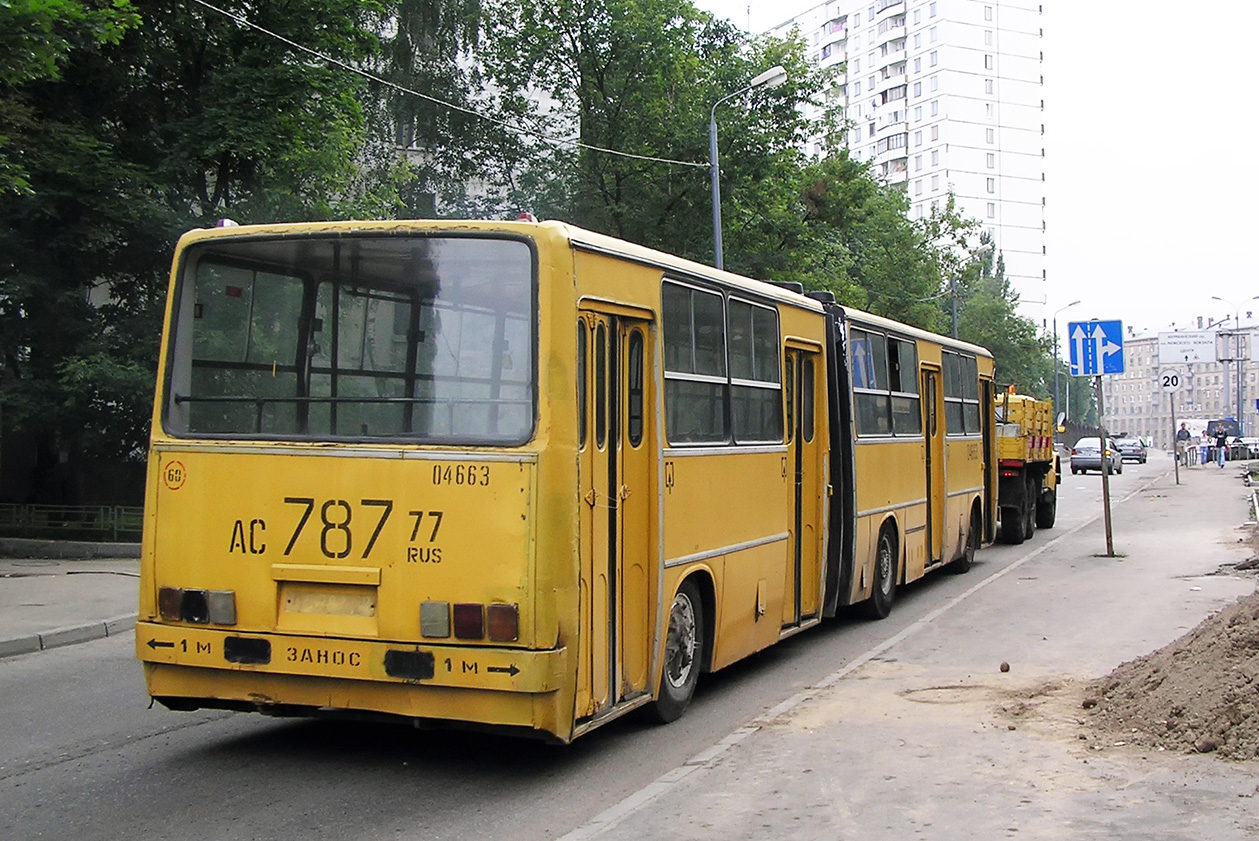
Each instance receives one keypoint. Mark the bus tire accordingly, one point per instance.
(1047, 510)
(963, 563)
(886, 567)
(1012, 525)
(683, 654)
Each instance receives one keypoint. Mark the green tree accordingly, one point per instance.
(169, 123)
(858, 243)
(988, 316)
(640, 77)
(36, 39)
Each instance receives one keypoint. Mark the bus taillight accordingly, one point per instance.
(500, 622)
(504, 622)
(214, 607)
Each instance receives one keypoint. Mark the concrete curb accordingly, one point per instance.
(21, 547)
(71, 635)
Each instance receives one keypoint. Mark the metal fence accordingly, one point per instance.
(112, 523)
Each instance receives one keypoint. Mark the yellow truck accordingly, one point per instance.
(1027, 466)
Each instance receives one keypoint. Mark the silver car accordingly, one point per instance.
(1086, 455)
(1131, 449)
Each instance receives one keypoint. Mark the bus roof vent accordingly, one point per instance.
(789, 285)
(822, 296)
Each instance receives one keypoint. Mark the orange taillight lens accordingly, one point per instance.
(503, 621)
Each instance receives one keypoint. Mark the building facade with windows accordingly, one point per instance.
(945, 95)
(1135, 402)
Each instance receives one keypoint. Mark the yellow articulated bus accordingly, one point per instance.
(524, 476)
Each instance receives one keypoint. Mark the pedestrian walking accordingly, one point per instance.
(1182, 444)
(1221, 445)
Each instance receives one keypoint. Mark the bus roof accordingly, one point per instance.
(853, 314)
(585, 240)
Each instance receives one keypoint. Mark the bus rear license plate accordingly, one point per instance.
(409, 665)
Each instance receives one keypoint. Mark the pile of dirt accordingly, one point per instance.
(1200, 693)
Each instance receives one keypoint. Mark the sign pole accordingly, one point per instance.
(1170, 380)
(1105, 442)
(1096, 350)
(1175, 444)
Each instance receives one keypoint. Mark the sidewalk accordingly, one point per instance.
(924, 736)
(59, 593)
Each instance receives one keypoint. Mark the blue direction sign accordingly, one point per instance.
(1096, 347)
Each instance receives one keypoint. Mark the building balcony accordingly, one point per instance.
(887, 8)
(893, 123)
(890, 30)
(896, 171)
(895, 80)
(894, 56)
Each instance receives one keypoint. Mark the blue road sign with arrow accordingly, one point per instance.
(1096, 347)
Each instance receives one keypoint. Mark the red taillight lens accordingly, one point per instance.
(469, 621)
(503, 621)
(170, 601)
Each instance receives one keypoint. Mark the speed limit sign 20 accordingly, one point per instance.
(1170, 381)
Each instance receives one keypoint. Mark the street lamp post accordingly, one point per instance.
(1057, 365)
(1236, 357)
(975, 253)
(773, 77)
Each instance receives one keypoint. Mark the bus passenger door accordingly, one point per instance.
(933, 425)
(803, 444)
(616, 508)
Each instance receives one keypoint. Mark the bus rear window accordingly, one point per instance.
(427, 339)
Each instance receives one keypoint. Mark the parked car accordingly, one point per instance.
(1131, 449)
(1086, 455)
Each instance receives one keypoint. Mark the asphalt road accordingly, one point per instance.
(83, 757)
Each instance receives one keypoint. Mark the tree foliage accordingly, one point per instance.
(138, 120)
(988, 316)
(125, 122)
(641, 77)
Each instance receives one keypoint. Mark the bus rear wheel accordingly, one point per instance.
(879, 605)
(963, 563)
(683, 654)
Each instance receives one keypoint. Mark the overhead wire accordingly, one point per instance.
(556, 141)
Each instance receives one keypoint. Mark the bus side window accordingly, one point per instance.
(601, 386)
(634, 414)
(806, 399)
(583, 336)
(791, 397)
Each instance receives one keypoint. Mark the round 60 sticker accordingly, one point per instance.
(174, 474)
(1170, 381)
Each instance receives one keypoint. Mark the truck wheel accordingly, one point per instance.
(1047, 510)
(1011, 526)
(1029, 507)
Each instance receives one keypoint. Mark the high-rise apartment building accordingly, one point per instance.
(945, 95)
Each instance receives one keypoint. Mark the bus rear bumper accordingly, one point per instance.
(485, 668)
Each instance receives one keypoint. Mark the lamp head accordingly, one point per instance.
(771, 78)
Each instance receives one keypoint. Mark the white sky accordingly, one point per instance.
(1151, 175)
